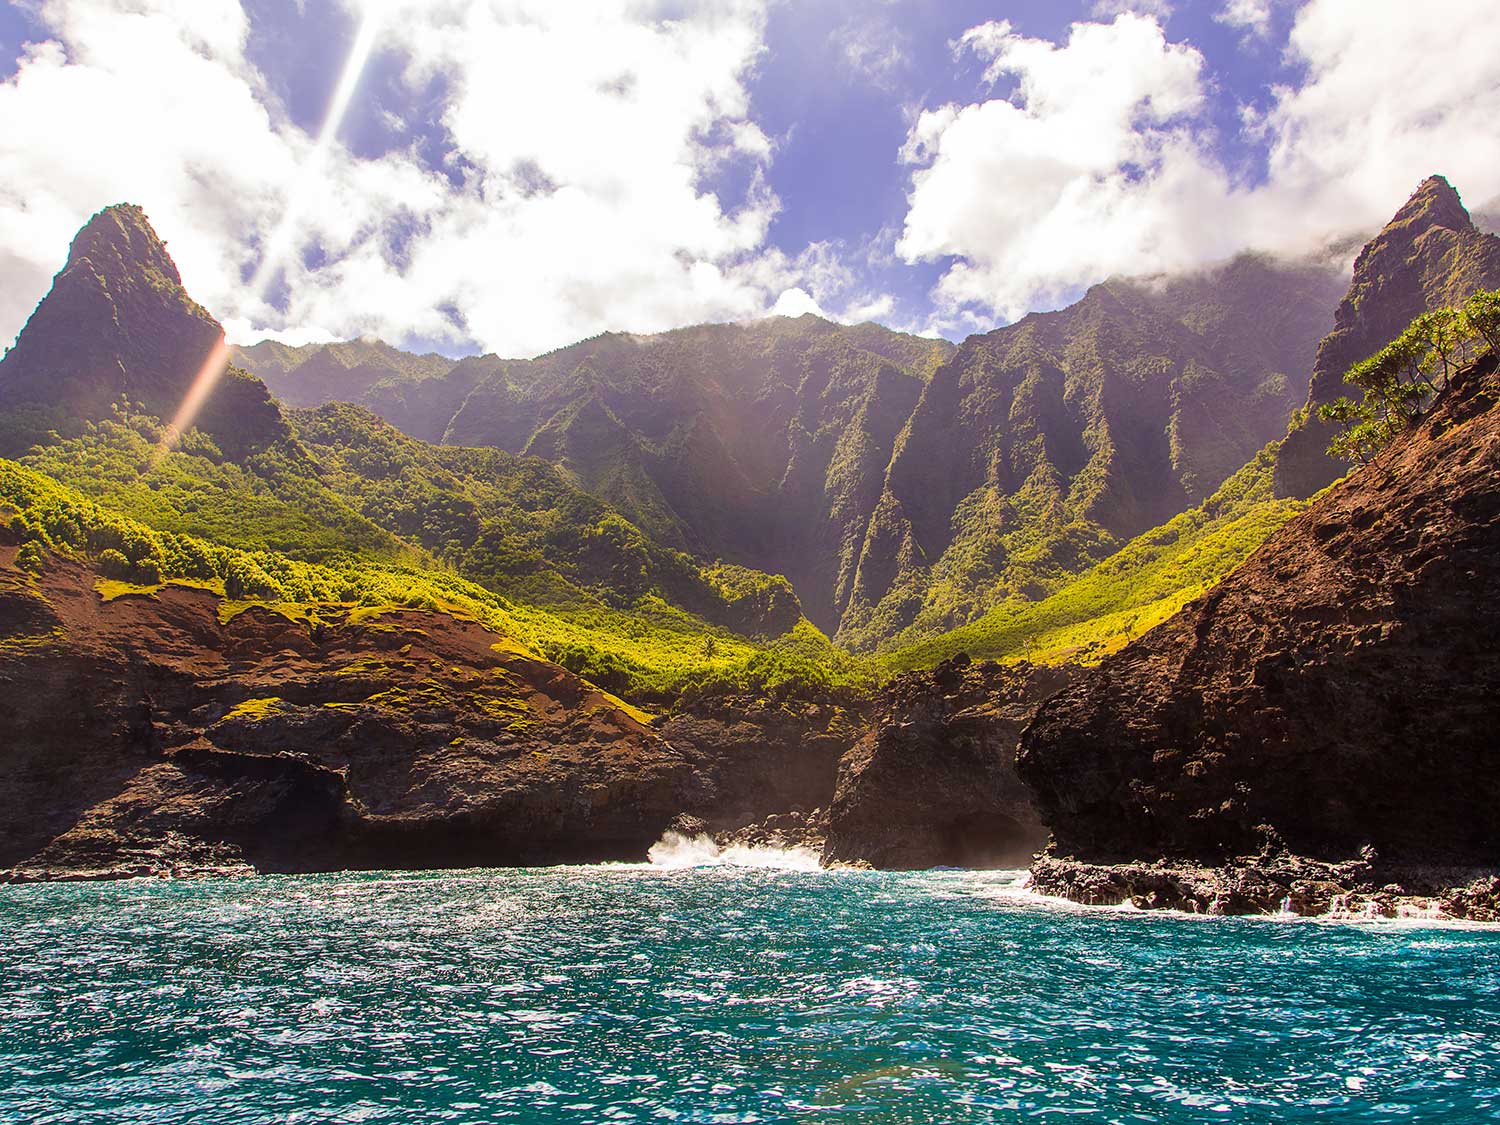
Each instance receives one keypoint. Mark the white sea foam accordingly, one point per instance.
(1411, 913)
(676, 852)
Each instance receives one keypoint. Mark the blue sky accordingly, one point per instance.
(512, 175)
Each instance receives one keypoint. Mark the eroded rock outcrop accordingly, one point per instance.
(157, 733)
(1336, 698)
(765, 765)
(933, 783)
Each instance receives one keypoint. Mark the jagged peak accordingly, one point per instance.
(1435, 203)
(119, 240)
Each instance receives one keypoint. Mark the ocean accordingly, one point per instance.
(726, 993)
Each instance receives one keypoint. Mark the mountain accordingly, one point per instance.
(510, 536)
(903, 486)
(118, 326)
(1431, 255)
(415, 392)
(1039, 448)
(1335, 698)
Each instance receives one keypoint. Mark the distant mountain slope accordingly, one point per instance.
(761, 443)
(412, 391)
(898, 482)
(1429, 256)
(1039, 448)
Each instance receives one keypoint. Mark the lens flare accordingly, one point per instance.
(281, 240)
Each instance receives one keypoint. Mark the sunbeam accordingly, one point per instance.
(282, 239)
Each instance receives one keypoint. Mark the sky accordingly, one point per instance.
(516, 175)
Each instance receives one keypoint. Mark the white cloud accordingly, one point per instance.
(1253, 17)
(1102, 162)
(580, 140)
(1033, 194)
(872, 48)
(1161, 9)
(797, 302)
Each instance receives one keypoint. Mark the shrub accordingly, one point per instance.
(30, 557)
(113, 564)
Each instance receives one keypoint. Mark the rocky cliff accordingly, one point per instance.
(118, 325)
(166, 731)
(1039, 448)
(1335, 698)
(933, 783)
(1429, 256)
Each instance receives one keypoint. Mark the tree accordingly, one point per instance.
(30, 557)
(1482, 314)
(1401, 381)
(114, 564)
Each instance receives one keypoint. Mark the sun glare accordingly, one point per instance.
(282, 239)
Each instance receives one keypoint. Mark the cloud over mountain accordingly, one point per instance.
(581, 148)
(1098, 156)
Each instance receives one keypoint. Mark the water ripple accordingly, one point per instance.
(726, 994)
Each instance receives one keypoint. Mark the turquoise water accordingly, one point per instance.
(720, 995)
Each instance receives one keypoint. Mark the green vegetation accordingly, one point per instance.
(273, 500)
(650, 650)
(1130, 592)
(254, 710)
(1401, 381)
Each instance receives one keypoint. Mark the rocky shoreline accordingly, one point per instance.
(1283, 885)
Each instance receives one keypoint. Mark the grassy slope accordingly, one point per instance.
(1133, 590)
(277, 532)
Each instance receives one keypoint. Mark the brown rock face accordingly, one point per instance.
(117, 324)
(759, 758)
(1340, 691)
(145, 736)
(933, 784)
(1429, 256)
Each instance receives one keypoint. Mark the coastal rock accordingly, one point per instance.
(1277, 886)
(166, 731)
(933, 783)
(763, 765)
(1335, 697)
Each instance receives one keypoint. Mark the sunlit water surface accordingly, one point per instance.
(720, 994)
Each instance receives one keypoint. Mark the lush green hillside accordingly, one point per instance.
(1044, 447)
(652, 650)
(271, 500)
(517, 525)
(1133, 590)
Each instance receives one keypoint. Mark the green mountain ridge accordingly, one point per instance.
(902, 483)
(658, 512)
